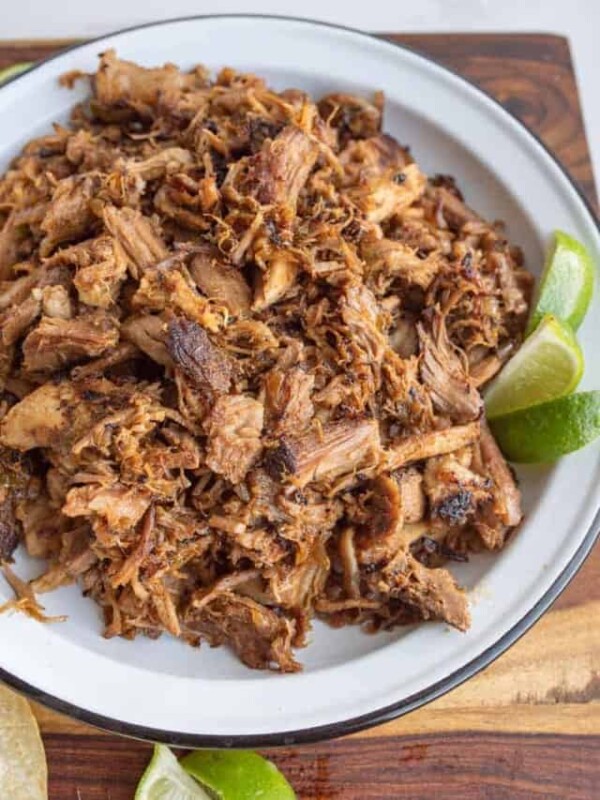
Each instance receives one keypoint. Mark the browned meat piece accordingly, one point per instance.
(280, 170)
(40, 524)
(355, 117)
(221, 282)
(186, 201)
(194, 353)
(233, 428)
(89, 152)
(11, 236)
(262, 547)
(149, 333)
(403, 337)
(426, 445)
(7, 357)
(15, 480)
(138, 238)
(57, 342)
(484, 370)
(338, 449)
(261, 638)
(387, 260)
(98, 284)
(504, 512)
(160, 290)
(128, 570)
(455, 492)
(379, 539)
(296, 587)
(172, 159)
(288, 404)
(10, 533)
(101, 267)
(444, 373)
(381, 197)
(42, 417)
(454, 211)
(119, 506)
(363, 318)
(412, 496)
(363, 158)
(395, 503)
(514, 297)
(123, 353)
(432, 593)
(123, 83)
(16, 321)
(273, 284)
(17, 291)
(56, 302)
(69, 215)
(35, 421)
(507, 495)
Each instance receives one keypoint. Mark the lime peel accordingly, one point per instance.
(238, 775)
(567, 283)
(545, 432)
(13, 70)
(548, 365)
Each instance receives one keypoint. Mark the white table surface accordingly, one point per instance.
(579, 20)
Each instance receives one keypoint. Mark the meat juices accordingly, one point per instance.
(242, 338)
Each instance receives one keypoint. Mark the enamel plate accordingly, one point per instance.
(165, 690)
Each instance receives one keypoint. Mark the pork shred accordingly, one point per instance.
(242, 336)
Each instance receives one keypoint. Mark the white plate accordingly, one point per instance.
(167, 691)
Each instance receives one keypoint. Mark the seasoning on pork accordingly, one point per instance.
(197, 356)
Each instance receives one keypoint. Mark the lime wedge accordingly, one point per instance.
(549, 364)
(164, 779)
(238, 775)
(14, 69)
(567, 284)
(545, 432)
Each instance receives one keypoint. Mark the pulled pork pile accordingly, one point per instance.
(242, 338)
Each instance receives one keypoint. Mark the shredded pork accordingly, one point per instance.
(242, 338)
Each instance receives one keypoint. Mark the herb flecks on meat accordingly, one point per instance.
(242, 337)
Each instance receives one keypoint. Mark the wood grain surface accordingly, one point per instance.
(529, 725)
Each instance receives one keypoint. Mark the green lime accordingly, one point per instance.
(547, 431)
(549, 364)
(164, 779)
(567, 283)
(238, 775)
(14, 69)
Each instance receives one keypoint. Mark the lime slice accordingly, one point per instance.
(23, 773)
(238, 775)
(14, 69)
(566, 285)
(549, 364)
(164, 779)
(545, 432)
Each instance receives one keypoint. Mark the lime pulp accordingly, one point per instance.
(548, 365)
(164, 779)
(567, 284)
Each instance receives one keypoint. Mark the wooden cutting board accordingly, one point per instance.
(529, 725)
